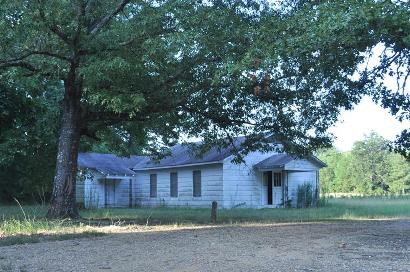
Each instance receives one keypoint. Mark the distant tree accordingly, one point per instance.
(345, 174)
(331, 157)
(371, 168)
(398, 177)
(370, 157)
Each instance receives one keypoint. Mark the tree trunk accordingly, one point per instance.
(63, 203)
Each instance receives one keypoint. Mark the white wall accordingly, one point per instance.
(231, 185)
(211, 190)
(122, 190)
(301, 165)
(79, 192)
(300, 172)
(94, 190)
(298, 178)
(242, 185)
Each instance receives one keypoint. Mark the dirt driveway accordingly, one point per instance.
(360, 246)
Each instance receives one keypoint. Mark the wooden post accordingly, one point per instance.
(213, 211)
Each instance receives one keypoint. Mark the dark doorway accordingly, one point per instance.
(109, 196)
(269, 177)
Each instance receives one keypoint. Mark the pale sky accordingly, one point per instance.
(364, 118)
(367, 116)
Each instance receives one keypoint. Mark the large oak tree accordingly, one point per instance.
(143, 72)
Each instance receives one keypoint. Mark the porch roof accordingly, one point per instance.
(108, 164)
(275, 161)
(280, 160)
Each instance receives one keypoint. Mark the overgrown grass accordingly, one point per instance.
(335, 209)
(21, 225)
(31, 226)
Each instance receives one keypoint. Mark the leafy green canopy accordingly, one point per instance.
(27, 140)
(345, 31)
(212, 69)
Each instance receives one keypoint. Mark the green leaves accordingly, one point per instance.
(28, 121)
(210, 69)
(370, 169)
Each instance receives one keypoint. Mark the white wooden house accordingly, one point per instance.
(182, 179)
(105, 180)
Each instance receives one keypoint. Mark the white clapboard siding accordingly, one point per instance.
(242, 185)
(122, 192)
(301, 165)
(211, 187)
(230, 184)
(296, 178)
(79, 192)
(91, 190)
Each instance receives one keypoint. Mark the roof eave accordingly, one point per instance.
(177, 166)
(269, 167)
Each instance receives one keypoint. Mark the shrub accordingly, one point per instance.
(304, 196)
(322, 202)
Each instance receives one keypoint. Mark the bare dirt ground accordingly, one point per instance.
(344, 246)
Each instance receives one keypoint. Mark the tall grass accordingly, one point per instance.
(30, 220)
(334, 209)
(27, 224)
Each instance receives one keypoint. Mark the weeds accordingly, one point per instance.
(23, 224)
(26, 227)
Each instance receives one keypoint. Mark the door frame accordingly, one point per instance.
(267, 198)
(111, 184)
(267, 193)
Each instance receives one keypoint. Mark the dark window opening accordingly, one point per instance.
(153, 185)
(173, 180)
(277, 179)
(197, 183)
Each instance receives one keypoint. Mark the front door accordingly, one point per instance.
(267, 197)
(109, 196)
(272, 188)
(277, 189)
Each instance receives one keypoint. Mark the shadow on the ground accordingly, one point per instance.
(19, 239)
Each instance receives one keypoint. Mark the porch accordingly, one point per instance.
(280, 176)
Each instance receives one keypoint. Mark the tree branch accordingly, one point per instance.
(219, 119)
(97, 26)
(18, 63)
(112, 117)
(43, 53)
(92, 134)
(53, 27)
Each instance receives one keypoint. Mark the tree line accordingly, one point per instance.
(370, 168)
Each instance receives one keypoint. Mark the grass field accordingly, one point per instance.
(27, 224)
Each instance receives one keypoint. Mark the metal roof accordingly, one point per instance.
(279, 161)
(108, 164)
(275, 161)
(182, 155)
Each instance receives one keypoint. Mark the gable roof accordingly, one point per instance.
(108, 164)
(279, 161)
(182, 155)
(275, 161)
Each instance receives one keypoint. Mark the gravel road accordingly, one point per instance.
(342, 246)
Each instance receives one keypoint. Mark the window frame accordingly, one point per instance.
(277, 182)
(153, 194)
(173, 193)
(197, 184)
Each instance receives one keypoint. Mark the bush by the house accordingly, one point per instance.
(305, 196)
